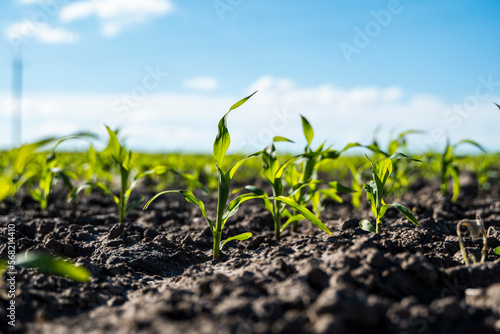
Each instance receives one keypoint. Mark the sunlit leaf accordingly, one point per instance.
(223, 140)
(407, 213)
(48, 264)
(308, 130)
(304, 211)
(240, 237)
(234, 205)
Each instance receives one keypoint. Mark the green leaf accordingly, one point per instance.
(240, 237)
(370, 196)
(234, 205)
(240, 102)
(382, 169)
(235, 166)
(339, 187)
(291, 220)
(365, 225)
(332, 194)
(303, 210)
(375, 149)
(471, 142)
(280, 139)
(330, 154)
(114, 146)
(404, 210)
(498, 108)
(270, 163)
(158, 170)
(256, 190)
(48, 264)
(223, 140)
(382, 211)
(105, 189)
(308, 130)
(453, 170)
(399, 155)
(497, 250)
(189, 197)
(282, 168)
(351, 145)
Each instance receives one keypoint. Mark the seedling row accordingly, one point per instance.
(295, 187)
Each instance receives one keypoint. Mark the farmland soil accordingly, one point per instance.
(154, 273)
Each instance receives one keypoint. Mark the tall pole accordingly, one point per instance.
(17, 90)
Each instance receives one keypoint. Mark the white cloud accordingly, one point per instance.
(41, 32)
(201, 83)
(188, 121)
(116, 15)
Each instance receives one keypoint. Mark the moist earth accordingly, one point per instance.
(154, 273)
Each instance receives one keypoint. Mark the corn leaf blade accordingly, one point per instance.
(407, 213)
(308, 130)
(303, 210)
(234, 205)
(189, 197)
(239, 237)
(48, 264)
(365, 225)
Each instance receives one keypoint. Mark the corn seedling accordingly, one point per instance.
(450, 169)
(46, 263)
(476, 229)
(276, 204)
(309, 162)
(16, 171)
(123, 159)
(381, 170)
(50, 172)
(224, 209)
(400, 170)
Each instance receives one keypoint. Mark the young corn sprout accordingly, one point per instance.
(307, 174)
(400, 168)
(273, 173)
(381, 170)
(123, 159)
(224, 209)
(49, 172)
(16, 171)
(449, 167)
(476, 229)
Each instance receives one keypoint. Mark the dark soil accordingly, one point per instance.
(154, 273)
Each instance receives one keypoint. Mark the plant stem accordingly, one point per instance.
(277, 222)
(217, 237)
(377, 226)
(221, 205)
(122, 205)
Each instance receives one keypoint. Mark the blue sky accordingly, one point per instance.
(347, 66)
